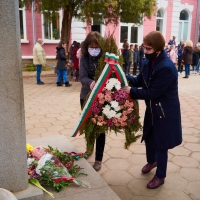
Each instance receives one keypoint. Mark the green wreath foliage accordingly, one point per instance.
(92, 130)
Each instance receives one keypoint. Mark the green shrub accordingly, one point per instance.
(31, 67)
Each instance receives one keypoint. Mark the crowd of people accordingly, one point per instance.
(183, 55)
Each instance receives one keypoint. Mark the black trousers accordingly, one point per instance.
(100, 142)
(135, 68)
(156, 155)
(180, 66)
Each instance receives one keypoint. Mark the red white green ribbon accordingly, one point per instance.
(112, 65)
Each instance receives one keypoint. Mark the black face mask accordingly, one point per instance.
(151, 56)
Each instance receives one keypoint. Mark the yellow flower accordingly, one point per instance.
(29, 148)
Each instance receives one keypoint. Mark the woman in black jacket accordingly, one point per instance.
(195, 59)
(61, 64)
(126, 58)
(91, 52)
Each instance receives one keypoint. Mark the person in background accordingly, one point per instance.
(136, 59)
(131, 58)
(39, 59)
(76, 61)
(179, 45)
(61, 64)
(91, 53)
(157, 84)
(123, 46)
(198, 65)
(195, 59)
(126, 57)
(141, 57)
(173, 55)
(187, 57)
(71, 56)
(173, 41)
(180, 54)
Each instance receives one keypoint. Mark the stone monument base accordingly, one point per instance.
(31, 193)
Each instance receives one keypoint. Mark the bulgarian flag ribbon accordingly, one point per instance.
(112, 64)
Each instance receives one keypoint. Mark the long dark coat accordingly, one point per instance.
(187, 55)
(159, 84)
(61, 56)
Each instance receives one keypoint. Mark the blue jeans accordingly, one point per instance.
(62, 73)
(38, 72)
(197, 68)
(187, 69)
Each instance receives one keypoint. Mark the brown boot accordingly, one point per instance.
(97, 165)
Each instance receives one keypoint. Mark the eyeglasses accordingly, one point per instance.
(147, 48)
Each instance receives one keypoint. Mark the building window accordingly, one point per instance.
(129, 32)
(52, 27)
(159, 21)
(22, 21)
(183, 26)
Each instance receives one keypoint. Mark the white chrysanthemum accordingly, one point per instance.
(118, 86)
(109, 86)
(118, 115)
(117, 108)
(106, 111)
(114, 104)
(111, 114)
(106, 107)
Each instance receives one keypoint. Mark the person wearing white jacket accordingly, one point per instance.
(39, 59)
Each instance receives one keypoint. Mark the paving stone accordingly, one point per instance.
(180, 151)
(35, 121)
(139, 187)
(174, 194)
(190, 138)
(196, 156)
(135, 171)
(118, 153)
(175, 181)
(193, 188)
(42, 125)
(119, 136)
(116, 143)
(123, 193)
(190, 174)
(184, 161)
(192, 146)
(116, 177)
(117, 164)
(172, 168)
(55, 128)
(60, 123)
(138, 159)
(49, 119)
(138, 149)
(103, 169)
(37, 130)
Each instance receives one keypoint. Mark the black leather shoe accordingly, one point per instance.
(148, 167)
(155, 182)
(40, 83)
(186, 76)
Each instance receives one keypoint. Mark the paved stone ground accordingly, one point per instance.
(51, 110)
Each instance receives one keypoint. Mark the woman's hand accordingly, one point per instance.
(92, 85)
(126, 89)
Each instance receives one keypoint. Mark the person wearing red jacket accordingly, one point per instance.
(76, 61)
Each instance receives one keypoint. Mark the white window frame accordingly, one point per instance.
(189, 25)
(164, 21)
(24, 40)
(140, 33)
(60, 22)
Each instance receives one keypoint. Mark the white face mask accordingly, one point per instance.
(94, 51)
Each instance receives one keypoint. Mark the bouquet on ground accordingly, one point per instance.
(48, 166)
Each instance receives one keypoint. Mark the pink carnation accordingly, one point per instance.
(108, 98)
(38, 152)
(94, 120)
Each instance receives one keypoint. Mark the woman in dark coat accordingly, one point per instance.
(136, 59)
(187, 57)
(126, 57)
(61, 64)
(91, 52)
(180, 54)
(195, 59)
(162, 122)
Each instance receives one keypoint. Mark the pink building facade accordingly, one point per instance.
(180, 18)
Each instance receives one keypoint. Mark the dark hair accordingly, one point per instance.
(61, 43)
(155, 39)
(77, 45)
(182, 46)
(131, 45)
(92, 37)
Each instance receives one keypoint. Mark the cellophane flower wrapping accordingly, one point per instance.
(55, 168)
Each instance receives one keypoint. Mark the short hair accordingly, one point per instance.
(155, 39)
(92, 37)
(189, 43)
(131, 45)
